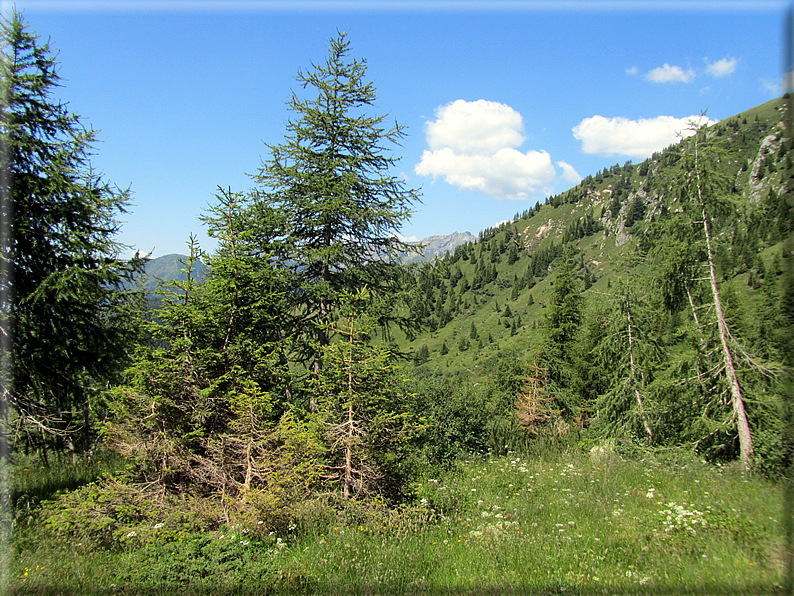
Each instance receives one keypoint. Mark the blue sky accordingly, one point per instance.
(505, 103)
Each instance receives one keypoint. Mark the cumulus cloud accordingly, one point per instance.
(475, 126)
(670, 74)
(473, 147)
(631, 71)
(634, 138)
(568, 173)
(721, 68)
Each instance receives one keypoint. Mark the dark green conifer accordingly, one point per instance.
(69, 323)
(332, 183)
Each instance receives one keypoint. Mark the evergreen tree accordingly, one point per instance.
(423, 355)
(685, 266)
(331, 182)
(635, 211)
(563, 322)
(361, 406)
(626, 355)
(565, 314)
(62, 281)
(512, 255)
(210, 393)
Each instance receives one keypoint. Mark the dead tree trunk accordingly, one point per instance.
(634, 384)
(739, 413)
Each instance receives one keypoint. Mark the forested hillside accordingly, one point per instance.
(604, 290)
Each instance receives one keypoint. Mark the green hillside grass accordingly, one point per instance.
(574, 521)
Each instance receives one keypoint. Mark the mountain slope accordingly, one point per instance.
(464, 296)
(168, 268)
(438, 246)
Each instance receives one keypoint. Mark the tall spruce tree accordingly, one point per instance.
(562, 326)
(331, 181)
(62, 277)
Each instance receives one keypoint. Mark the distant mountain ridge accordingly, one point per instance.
(169, 267)
(438, 246)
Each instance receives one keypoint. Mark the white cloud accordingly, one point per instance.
(473, 147)
(631, 71)
(634, 138)
(721, 68)
(475, 126)
(670, 74)
(569, 174)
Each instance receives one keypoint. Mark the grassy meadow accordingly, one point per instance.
(566, 521)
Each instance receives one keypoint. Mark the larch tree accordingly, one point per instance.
(689, 276)
(362, 405)
(342, 206)
(64, 303)
(702, 192)
(627, 354)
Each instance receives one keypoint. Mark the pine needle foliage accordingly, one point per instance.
(362, 404)
(63, 280)
(331, 181)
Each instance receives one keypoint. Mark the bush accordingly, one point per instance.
(454, 417)
(204, 560)
(111, 515)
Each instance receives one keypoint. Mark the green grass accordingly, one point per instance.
(571, 523)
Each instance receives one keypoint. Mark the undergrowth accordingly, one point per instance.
(576, 523)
